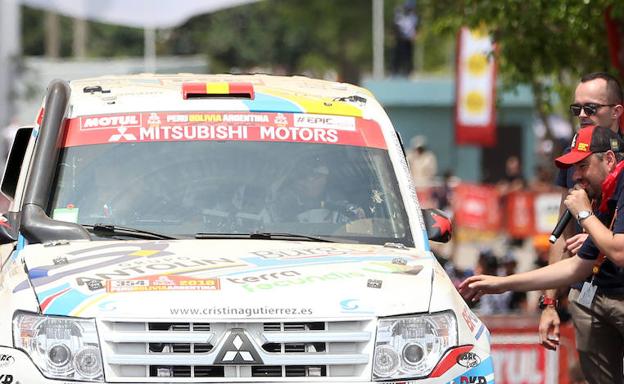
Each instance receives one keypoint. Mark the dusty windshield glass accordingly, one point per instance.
(189, 187)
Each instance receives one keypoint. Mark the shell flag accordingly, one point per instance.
(475, 104)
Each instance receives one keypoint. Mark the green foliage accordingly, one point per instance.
(547, 44)
(284, 36)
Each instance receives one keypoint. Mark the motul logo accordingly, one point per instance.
(110, 121)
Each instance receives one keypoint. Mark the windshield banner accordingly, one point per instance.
(236, 126)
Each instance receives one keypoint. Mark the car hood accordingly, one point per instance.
(226, 279)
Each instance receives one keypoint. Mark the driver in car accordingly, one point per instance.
(307, 199)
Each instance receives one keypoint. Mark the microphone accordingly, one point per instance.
(561, 224)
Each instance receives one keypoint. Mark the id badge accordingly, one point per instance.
(587, 295)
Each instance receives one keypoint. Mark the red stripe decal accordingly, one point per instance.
(48, 300)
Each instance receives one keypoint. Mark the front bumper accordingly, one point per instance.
(18, 368)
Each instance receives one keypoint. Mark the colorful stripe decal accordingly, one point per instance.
(319, 105)
(268, 103)
(47, 301)
(71, 300)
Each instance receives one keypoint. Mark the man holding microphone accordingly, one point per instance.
(597, 101)
(595, 156)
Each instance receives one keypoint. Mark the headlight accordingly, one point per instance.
(62, 348)
(408, 347)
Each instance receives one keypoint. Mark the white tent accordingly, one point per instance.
(147, 14)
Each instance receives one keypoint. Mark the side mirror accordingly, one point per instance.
(439, 227)
(9, 224)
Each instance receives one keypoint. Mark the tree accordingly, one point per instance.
(286, 36)
(546, 44)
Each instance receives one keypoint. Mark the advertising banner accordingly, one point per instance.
(475, 113)
(476, 207)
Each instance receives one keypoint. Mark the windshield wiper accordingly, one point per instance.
(262, 236)
(108, 230)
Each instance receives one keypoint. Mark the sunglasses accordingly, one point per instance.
(589, 108)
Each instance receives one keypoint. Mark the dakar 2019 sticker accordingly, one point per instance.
(162, 283)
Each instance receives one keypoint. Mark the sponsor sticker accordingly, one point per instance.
(468, 359)
(232, 126)
(6, 360)
(471, 320)
(472, 380)
(110, 121)
(372, 283)
(162, 283)
(325, 121)
(65, 214)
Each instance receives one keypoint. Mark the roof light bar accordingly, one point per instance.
(217, 90)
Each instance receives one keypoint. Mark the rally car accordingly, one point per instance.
(222, 228)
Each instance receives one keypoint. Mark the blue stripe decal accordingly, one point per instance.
(486, 368)
(66, 303)
(426, 240)
(21, 242)
(479, 332)
(268, 103)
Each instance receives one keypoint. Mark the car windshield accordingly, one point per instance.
(203, 188)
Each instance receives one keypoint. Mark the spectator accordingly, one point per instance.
(404, 28)
(489, 304)
(422, 162)
(597, 100)
(514, 301)
(443, 195)
(596, 157)
(513, 179)
(542, 183)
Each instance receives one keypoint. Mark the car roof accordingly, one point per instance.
(154, 92)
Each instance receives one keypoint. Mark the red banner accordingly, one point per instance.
(520, 221)
(615, 38)
(519, 358)
(475, 89)
(477, 207)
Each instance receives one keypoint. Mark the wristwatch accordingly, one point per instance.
(582, 215)
(545, 301)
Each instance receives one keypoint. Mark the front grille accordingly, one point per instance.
(285, 350)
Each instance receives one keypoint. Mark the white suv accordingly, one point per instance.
(219, 228)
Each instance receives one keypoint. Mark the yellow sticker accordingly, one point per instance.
(582, 147)
(144, 252)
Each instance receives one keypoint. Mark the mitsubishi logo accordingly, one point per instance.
(122, 133)
(238, 350)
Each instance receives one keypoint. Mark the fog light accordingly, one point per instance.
(386, 361)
